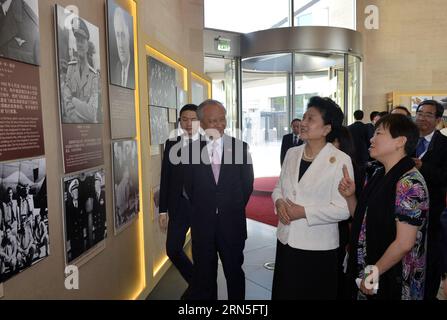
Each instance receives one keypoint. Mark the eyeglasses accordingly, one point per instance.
(425, 115)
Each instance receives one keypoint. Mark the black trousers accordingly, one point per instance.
(205, 255)
(304, 275)
(433, 266)
(177, 228)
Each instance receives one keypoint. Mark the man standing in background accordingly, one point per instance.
(292, 139)
(431, 161)
(175, 208)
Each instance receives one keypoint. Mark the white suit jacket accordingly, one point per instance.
(318, 193)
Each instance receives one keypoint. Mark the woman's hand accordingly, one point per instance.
(281, 210)
(346, 186)
(295, 211)
(364, 290)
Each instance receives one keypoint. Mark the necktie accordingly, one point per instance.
(215, 162)
(421, 147)
(295, 141)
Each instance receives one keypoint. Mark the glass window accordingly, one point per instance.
(265, 109)
(246, 15)
(340, 13)
(317, 74)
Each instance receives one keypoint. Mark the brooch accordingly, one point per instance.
(332, 160)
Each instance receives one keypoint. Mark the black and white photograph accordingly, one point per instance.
(162, 84)
(79, 69)
(125, 182)
(159, 120)
(24, 238)
(19, 31)
(84, 212)
(121, 46)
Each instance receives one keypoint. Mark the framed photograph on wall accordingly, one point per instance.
(162, 84)
(120, 46)
(79, 66)
(85, 224)
(126, 194)
(24, 236)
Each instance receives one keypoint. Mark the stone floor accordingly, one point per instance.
(259, 249)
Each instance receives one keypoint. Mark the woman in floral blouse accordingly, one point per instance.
(390, 217)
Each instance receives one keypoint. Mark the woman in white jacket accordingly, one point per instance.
(309, 207)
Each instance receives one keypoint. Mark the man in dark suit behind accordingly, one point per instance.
(292, 139)
(175, 209)
(360, 135)
(19, 32)
(219, 185)
(431, 160)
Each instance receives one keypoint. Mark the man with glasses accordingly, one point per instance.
(431, 160)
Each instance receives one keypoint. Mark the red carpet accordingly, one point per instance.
(260, 207)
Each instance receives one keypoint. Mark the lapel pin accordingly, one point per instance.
(332, 160)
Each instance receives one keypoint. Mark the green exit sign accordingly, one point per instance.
(223, 44)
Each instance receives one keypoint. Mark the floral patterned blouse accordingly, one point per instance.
(412, 206)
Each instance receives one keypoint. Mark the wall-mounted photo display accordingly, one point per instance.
(160, 129)
(78, 61)
(162, 84)
(125, 182)
(79, 68)
(19, 31)
(85, 223)
(121, 46)
(24, 238)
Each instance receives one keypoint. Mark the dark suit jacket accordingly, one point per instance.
(172, 176)
(19, 34)
(287, 143)
(434, 170)
(229, 197)
(116, 75)
(360, 135)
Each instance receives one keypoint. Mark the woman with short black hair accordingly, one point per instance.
(389, 228)
(309, 207)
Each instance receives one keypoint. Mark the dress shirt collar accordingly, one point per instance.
(429, 137)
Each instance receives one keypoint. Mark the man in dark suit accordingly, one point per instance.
(431, 160)
(99, 211)
(123, 73)
(374, 117)
(360, 135)
(175, 208)
(219, 185)
(292, 139)
(19, 32)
